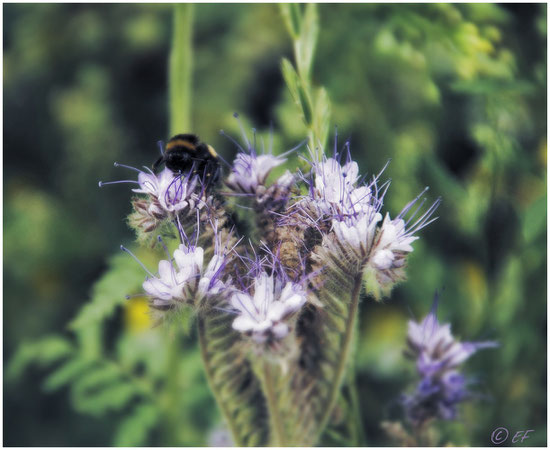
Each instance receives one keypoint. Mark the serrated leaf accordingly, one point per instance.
(232, 380)
(134, 429)
(111, 397)
(44, 352)
(95, 378)
(123, 276)
(65, 374)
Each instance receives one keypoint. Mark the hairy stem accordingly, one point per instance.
(171, 401)
(181, 66)
(336, 382)
(277, 428)
(359, 432)
(208, 370)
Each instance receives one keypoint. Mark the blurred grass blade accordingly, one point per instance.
(293, 18)
(181, 66)
(307, 41)
(291, 79)
(322, 116)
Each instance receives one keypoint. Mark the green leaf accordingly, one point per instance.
(112, 397)
(292, 17)
(322, 117)
(305, 103)
(291, 79)
(95, 378)
(534, 219)
(136, 426)
(65, 374)
(44, 352)
(124, 276)
(305, 45)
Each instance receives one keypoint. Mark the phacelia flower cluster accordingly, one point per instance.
(438, 357)
(297, 228)
(345, 213)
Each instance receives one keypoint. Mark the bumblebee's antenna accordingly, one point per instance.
(161, 147)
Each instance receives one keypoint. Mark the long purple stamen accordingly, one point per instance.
(124, 249)
(116, 164)
(105, 183)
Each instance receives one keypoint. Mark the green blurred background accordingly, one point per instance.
(455, 95)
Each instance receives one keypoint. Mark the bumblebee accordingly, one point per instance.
(185, 153)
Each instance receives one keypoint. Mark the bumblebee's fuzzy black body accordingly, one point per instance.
(185, 153)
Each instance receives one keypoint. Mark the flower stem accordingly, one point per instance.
(208, 370)
(171, 399)
(277, 428)
(181, 66)
(359, 432)
(336, 383)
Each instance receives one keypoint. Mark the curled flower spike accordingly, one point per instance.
(393, 242)
(438, 356)
(264, 315)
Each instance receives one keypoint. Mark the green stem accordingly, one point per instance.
(277, 428)
(181, 66)
(359, 432)
(336, 383)
(171, 392)
(208, 370)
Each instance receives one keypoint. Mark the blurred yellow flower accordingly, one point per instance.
(136, 315)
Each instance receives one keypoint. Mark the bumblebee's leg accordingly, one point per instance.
(212, 172)
(216, 173)
(157, 163)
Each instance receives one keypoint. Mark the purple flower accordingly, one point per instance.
(174, 192)
(186, 279)
(334, 192)
(168, 192)
(264, 315)
(250, 171)
(438, 356)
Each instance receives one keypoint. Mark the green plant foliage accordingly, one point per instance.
(181, 69)
(134, 429)
(313, 103)
(109, 293)
(453, 94)
(101, 382)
